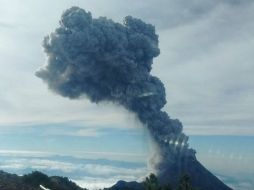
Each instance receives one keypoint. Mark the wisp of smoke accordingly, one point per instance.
(107, 61)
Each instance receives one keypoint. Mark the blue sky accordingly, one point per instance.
(206, 64)
(229, 157)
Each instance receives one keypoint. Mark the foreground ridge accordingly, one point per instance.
(35, 181)
(39, 181)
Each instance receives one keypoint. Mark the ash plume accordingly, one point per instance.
(108, 61)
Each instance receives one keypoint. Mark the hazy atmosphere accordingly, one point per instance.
(205, 63)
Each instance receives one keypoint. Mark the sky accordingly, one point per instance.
(206, 65)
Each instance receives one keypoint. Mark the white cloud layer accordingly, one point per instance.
(96, 174)
(89, 175)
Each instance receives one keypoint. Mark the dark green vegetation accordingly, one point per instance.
(152, 183)
(35, 179)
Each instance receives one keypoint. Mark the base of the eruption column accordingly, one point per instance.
(200, 177)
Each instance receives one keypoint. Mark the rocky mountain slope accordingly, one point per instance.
(34, 180)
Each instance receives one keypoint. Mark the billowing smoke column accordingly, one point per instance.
(108, 61)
